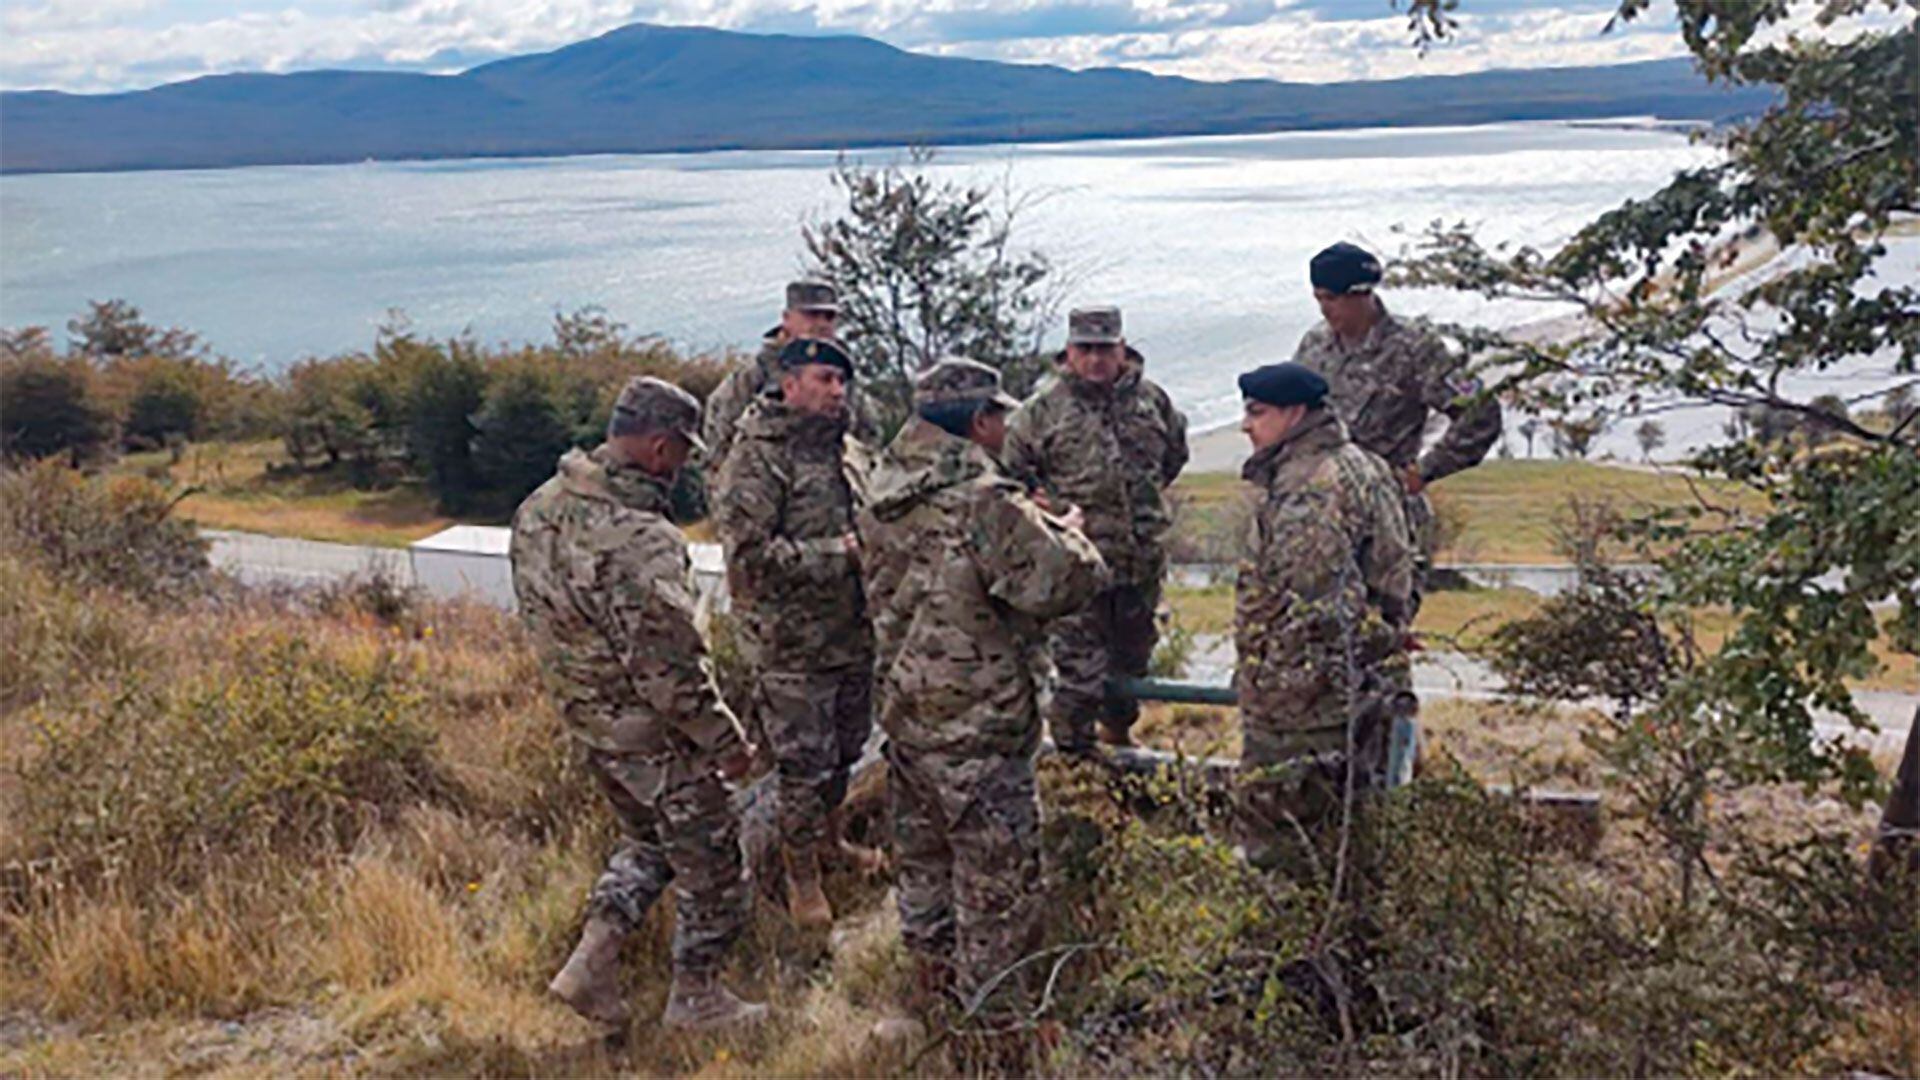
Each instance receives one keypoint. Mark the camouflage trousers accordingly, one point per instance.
(1423, 529)
(816, 724)
(677, 828)
(966, 834)
(1295, 783)
(1111, 638)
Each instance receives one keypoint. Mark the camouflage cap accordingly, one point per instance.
(812, 294)
(658, 405)
(800, 352)
(957, 379)
(1094, 326)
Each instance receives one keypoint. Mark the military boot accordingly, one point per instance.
(867, 861)
(698, 1002)
(590, 981)
(1117, 737)
(806, 901)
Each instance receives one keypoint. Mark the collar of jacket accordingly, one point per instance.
(922, 461)
(770, 417)
(1321, 430)
(596, 475)
(1384, 326)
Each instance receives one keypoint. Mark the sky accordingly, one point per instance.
(107, 45)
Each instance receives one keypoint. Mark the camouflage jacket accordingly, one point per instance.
(1389, 384)
(729, 401)
(605, 588)
(1111, 452)
(1327, 553)
(788, 495)
(963, 568)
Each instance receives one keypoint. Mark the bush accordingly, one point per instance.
(116, 533)
(292, 748)
(48, 407)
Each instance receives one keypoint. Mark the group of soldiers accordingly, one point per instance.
(997, 565)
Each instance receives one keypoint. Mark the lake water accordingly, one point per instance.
(1203, 241)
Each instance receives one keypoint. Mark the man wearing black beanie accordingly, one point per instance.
(1387, 378)
(1321, 610)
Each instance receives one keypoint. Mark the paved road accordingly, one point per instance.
(1439, 674)
(271, 559)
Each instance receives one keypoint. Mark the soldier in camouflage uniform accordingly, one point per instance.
(788, 496)
(1388, 378)
(812, 311)
(603, 582)
(1103, 437)
(964, 569)
(1320, 615)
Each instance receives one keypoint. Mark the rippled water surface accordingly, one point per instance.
(1204, 241)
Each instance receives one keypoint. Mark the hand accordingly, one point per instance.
(850, 543)
(1411, 480)
(736, 763)
(1075, 519)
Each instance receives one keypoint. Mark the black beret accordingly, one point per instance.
(803, 351)
(1344, 268)
(1284, 384)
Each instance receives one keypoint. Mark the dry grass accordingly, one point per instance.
(417, 939)
(1508, 508)
(254, 487)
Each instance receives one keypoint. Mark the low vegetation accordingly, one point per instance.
(373, 443)
(343, 831)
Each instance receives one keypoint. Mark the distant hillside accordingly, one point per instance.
(655, 88)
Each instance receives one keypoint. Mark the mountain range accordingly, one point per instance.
(646, 88)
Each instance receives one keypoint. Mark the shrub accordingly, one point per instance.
(117, 533)
(292, 748)
(48, 407)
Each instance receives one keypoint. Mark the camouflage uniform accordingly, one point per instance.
(604, 584)
(1385, 387)
(1110, 451)
(968, 568)
(1320, 615)
(788, 494)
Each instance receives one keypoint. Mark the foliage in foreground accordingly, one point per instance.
(360, 837)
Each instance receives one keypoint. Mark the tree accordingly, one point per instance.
(1529, 428)
(1826, 170)
(520, 431)
(1573, 436)
(167, 405)
(114, 328)
(1651, 435)
(928, 268)
(449, 388)
(48, 407)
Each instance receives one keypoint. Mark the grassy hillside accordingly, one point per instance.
(1500, 512)
(344, 833)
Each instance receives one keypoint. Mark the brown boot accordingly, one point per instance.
(698, 1002)
(806, 902)
(866, 861)
(1116, 737)
(590, 982)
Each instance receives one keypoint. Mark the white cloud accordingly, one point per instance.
(93, 45)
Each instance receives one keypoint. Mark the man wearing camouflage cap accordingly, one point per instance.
(812, 311)
(1105, 438)
(604, 585)
(1388, 378)
(963, 571)
(1321, 608)
(787, 498)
